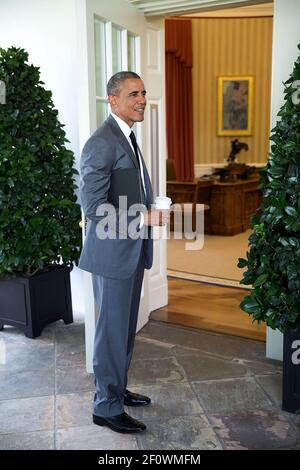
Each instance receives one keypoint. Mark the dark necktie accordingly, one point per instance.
(134, 144)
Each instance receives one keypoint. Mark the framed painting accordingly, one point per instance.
(235, 97)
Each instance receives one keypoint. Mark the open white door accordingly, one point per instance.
(122, 22)
(155, 135)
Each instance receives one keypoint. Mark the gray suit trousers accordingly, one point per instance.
(118, 302)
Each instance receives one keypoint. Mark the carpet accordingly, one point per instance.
(216, 260)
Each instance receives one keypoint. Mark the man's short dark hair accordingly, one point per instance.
(114, 83)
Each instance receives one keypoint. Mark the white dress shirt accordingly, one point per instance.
(127, 131)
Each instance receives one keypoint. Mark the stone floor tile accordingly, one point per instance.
(224, 346)
(93, 438)
(254, 430)
(155, 371)
(70, 358)
(294, 418)
(11, 334)
(73, 379)
(198, 366)
(74, 409)
(272, 384)
(38, 440)
(180, 433)
(26, 414)
(70, 340)
(145, 348)
(26, 383)
(69, 337)
(263, 366)
(230, 394)
(30, 356)
(169, 400)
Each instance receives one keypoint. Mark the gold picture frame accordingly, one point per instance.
(235, 104)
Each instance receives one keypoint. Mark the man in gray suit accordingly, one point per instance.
(117, 261)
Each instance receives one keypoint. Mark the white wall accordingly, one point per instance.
(47, 30)
(286, 36)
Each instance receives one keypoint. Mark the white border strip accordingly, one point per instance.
(219, 281)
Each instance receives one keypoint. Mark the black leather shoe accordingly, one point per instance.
(121, 423)
(134, 399)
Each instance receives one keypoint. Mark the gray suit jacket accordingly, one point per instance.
(105, 151)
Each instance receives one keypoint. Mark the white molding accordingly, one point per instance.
(109, 51)
(176, 7)
(124, 49)
(208, 168)
(256, 10)
(219, 281)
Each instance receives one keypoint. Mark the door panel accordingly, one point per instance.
(156, 148)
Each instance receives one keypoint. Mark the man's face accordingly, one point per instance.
(130, 104)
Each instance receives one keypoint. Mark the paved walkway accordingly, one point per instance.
(208, 391)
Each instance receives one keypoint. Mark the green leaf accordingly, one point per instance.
(35, 221)
(261, 280)
(242, 263)
(250, 305)
(283, 241)
(291, 211)
(293, 241)
(275, 301)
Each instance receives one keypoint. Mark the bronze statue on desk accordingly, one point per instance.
(235, 171)
(236, 147)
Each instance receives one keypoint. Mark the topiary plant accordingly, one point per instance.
(39, 215)
(273, 260)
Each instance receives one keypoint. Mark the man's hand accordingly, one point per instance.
(156, 218)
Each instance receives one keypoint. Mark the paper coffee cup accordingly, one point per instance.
(162, 202)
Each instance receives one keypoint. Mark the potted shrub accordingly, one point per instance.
(273, 259)
(39, 216)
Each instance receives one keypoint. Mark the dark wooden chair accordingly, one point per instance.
(192, 192)
(171, 171)
(179, 191)
(203, 196)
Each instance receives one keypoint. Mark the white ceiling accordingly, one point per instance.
(179, 7)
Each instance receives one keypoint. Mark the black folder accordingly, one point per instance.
(126, 182)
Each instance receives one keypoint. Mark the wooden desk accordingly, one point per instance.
(181, 192)
(193, 193)
(232, 204)
(229, 205)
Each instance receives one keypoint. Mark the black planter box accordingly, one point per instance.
(291, 372)
(32, 303)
